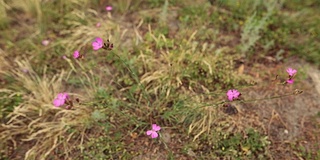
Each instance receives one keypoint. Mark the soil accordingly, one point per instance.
(293, 120)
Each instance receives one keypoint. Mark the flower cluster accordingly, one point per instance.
(291, 72)
(96, 45)
(63, 98)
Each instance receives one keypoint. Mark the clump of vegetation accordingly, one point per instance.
(98, 80)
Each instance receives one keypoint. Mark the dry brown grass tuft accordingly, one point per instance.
(180, 66)
(81, 35)
(37, 122)
(205, 121)
(4, 64)
(4, 19)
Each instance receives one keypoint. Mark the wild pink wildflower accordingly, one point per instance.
(25, 70)
(109, 8)
(45, 42)
(153, 132)
(97, 43)
(291, 71)
(60, 99)
(76, 54)
(233, 94)
(98, 24)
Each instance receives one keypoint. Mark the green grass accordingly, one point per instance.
(174, 78)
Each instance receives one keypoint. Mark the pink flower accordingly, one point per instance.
(45, 42)
(25, 70)
(76, 54)
(290, 81)
(97, 43)
(153, 132)
(233, 94)
(98, 24)
(291, 71)
(64, 57)
(60, 99)
(109, 8)
(58, 102)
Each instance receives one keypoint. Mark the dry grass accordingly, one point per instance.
(39, 124)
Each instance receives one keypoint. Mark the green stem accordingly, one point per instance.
(250, 100)
(267, 98)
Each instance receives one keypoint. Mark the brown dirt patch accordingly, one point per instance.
(290, 122)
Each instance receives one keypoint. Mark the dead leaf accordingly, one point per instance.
(241, 69)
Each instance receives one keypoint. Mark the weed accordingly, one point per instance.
(235, 145)
(253, 27)
(9, 100)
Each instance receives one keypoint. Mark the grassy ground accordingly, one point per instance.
(172, 64)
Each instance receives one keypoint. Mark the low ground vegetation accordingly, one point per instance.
(159, 79)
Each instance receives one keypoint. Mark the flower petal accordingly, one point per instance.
(232, 94)
(96, 45)
(60, 96)
(236, 93)
(58, 102)
(99, 40)
(291, 71)
(154, 135)
(290, 81)
(76, 54)
(108, 8)
(149, 132)
(229, 92)
(156, 127)
(65, 95)
(45, 42)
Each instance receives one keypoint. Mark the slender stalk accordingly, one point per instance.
(269, 98)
